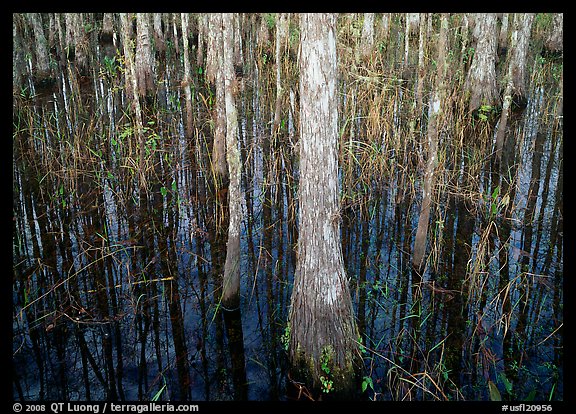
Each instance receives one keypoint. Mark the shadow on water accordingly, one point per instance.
(116, 286)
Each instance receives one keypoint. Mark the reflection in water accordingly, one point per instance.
(116, 287)
(233, 321)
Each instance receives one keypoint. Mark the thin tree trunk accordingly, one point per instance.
(231, 282)
(421, 65)
(406, 40)
(503, 37)
(77, 42)
(107, 27)
(515, 84)
(144, 58)
(385, 27)
(202, 33)
(187, 78)
(521, 39)
(554, 42)
(132, 91)
(42, 68)
(214, 72)
(159, 42)
(367, 39)
(213, 47)
(175, 33)
(434, 118)
(281, 34)
(238, 61)
(18, 61)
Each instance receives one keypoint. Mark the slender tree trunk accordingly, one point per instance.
(554, 42)
(213, 47)
(367, 39)
(41, 55)
(18, 62)
(515, 84)
(214, 72)
(132, 91)
(481, 79)
(323, 344)
(434, 117)
(144, 58)
(411, 30)
(521, 39)
(231, 282)
(175, 33)
(238, 61)
(406, 40)
(281, 35)
(77, 42)
(421, 65)
(503, 37)
(159, 42)
(263, 38)
(187, 78)
(202, 33)
(385, 26)
(107, 27)
(413, 22)
(464, 34)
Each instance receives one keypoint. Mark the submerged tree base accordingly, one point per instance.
(332, 383)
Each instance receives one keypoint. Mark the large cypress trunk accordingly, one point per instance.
(42, 64)
(521, 34)
(481, 79)
(554, 42)
(144, 57)
(515, 83)
(323, 344)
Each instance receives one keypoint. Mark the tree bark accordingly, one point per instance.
(554, 42)
(132, 91)
(281, 35)
(144, 57)
(503, 37)
(481, 79)
(159, 41)
(215, 73)
(263, 37)
(521, 39)
(187, 79)
(231, 282)
(107, 27)
(434, 116)
(385, 26)
(515, 84)
(421, 65)
(77, 42)
(41, 55)
(213, 47)
(413, 23)
(367, 39)
(18, 61)
(202, 29)
(175, 33)
(323, 329)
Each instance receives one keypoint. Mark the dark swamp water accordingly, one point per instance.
(116, 287)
